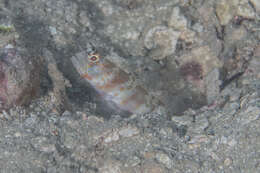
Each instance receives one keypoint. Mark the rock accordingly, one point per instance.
(191, 165)
(161, 41)
(52, 30)
(252, 113)
(236, 34)
(19, 77)
(84, 20)
(164, 159)
(197, 64)
(69, 139)
(254, 67)
(256, 4)
(212, 85)
(231, 108)
(7, 33)
(228, 161)
(133, 161)
(111, 137)
(204, 56)
(198, 27)
(196, 141)
(152, 167)
(188, 36)
(111, 166)
(225, 11)
(61, 101)
(177, 20)
(128, 131)
(200, 124)
(245, 10)
(43, 144)
(182, 120)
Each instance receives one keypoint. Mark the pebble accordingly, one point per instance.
(128, 132)
(165, 132)
(134, 161)
(235, 96)
(254, 66)
(200, 124)
(162, 41)
(182, 120)
(164, 159)
(231, 108)
(228, 161)
(177, 20)
(252, 113)
(52, 30)
(152, 167)
(111, 167)
(188, 36)
(84, 20)
(4, 115)
(224, 11)
(236, 34)
(245, 10)
(43, 144)
(197, 140)
(232, 142)
(112, 137)
(198, 27)
(69, 139)
(192, 165)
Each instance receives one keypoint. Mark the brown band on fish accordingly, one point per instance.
(117, 80)
(87, 76)
(136, 97)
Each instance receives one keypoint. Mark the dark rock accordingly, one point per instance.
(19, 80)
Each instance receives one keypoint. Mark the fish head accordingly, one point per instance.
(92, 65)
(95, 65)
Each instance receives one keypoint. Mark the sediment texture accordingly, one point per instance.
(198, 63)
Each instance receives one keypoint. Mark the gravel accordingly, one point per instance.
(197, 60)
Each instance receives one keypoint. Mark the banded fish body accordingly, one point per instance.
(111, 82)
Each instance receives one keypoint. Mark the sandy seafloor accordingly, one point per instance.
(200, 59)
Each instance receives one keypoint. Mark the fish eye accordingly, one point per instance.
(94, 58)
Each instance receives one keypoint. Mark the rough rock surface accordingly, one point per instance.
(200, 59)
(19, 77)
(207, 140)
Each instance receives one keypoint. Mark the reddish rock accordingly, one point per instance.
(19, 79)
